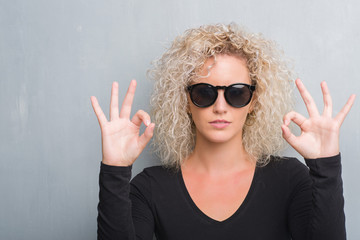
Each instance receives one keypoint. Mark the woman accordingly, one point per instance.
(221, 105)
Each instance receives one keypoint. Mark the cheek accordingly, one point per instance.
(201, 116)
(242, 116)
(196, 116)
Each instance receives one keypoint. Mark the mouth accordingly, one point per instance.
(220, 123)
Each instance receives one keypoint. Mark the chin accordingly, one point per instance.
(219, 138)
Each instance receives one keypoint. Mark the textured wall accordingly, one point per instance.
(55, 54)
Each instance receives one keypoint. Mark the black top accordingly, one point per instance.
(285, 201)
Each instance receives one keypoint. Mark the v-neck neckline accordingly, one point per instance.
(201, 214)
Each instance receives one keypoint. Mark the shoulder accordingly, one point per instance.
(285, 169)
(154, 176)
(287, 175)
(281, 163)
(155, 172)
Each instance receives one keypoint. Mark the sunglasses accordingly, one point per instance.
(237, 95)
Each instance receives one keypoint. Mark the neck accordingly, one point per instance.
(218, 158)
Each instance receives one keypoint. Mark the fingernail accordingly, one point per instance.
(147, 122)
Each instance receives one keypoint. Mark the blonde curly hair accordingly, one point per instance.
(174, 137)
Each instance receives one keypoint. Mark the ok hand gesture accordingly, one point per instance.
(121, 143)
(319, 133)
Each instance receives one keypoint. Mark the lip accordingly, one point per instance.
(219, 123)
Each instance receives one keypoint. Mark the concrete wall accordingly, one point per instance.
(54, 55)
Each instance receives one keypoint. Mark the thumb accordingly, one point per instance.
(288, 135)
(146, 136)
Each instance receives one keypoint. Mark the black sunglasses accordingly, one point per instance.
(237, 95)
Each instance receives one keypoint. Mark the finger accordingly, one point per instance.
(345, 110)
(114, 101)
(308, 100)
(297, 118)
(128, 100)
(98, 111)
(327, 100)
(141, 117)
(288, 135)
(146, 136)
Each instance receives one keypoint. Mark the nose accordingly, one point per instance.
(220, 106)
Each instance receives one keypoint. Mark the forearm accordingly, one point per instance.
(328, 218)
(114, 208)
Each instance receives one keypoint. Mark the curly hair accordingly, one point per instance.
(174, 137)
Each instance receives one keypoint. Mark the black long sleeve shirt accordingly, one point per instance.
(286, 200)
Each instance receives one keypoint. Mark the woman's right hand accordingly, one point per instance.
(121, 143)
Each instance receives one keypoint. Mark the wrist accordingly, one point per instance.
(116, 163)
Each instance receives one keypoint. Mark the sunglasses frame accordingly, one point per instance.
(225, 88)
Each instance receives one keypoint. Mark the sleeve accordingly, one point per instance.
(115, 220)
(328, 217)
(316, 210)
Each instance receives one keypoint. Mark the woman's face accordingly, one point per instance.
(221, 122)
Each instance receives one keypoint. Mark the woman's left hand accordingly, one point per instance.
(319, 133)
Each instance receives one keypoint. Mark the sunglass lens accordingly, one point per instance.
(238, 95)
(203, 95)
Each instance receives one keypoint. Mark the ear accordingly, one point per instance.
(188, 104)
(251, 107)
(252, 103)
(188, 109)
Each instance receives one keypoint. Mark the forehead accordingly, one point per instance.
(224, 70)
